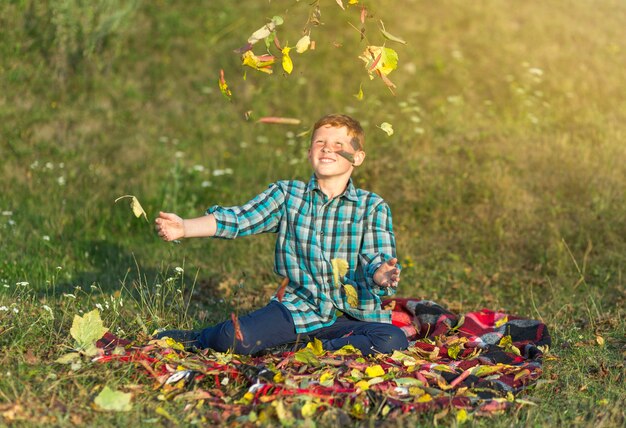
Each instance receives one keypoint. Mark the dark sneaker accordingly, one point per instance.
(188, 338)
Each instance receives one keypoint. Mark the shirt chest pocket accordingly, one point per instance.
(349, 238)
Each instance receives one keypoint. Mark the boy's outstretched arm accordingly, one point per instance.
(388, 274)
(170, 227)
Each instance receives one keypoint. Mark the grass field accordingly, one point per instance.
(506, 175)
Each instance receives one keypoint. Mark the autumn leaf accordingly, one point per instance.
(287, 62)
(387, 128)
(224, 86)
(261, 63)
(281, 290)
(238, 333)
(502, 321)
(316, 347)
(265, 30)
(280, 120)
(303, 44)
(135, 206)
(380, 61)
(340, 269)
(374, 371)
(351, 295)
(389, 36)
(88, 329)
(110, 400)
(359, 95)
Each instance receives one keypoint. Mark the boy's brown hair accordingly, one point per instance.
(352, 125)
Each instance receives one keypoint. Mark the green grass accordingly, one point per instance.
(505, 175)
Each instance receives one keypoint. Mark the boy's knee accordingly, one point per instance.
(391, 340)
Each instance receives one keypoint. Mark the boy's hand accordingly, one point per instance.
(388, 274)
(169, 226)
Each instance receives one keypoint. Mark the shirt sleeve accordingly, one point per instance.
(379, 245)
(261, 214)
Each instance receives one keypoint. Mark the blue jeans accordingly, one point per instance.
(273, 326)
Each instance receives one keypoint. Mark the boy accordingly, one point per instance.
(326, 219)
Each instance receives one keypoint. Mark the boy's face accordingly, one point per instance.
(334, 153)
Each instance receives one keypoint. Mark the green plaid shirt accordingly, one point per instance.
(312, 230)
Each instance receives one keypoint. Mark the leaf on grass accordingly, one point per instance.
(287, 62)
(390, 36)
(600, 340)
(86, 330)
(135, 206)
(238, 333)
(340, 269)
(261, 63)
(309, 409)
(461, 416)
(387, 128)
(224, 86)
(110, 400)
(351, 295)
(68, 358)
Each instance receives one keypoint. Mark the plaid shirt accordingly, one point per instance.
(312, 230)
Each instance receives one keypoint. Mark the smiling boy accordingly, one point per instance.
(315, 222)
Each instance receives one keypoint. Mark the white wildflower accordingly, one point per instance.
(535, 71)
(179, 154)
(206, 183)
(22, 283)
(4, 308)
(70, 295)
(7, 213)
(61, 181)
(198, 168)
(99, 306)
(49, 165)
(17, 311)
(45, 238)
(179, 270)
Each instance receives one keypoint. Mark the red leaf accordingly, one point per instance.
(238, 333)
(281, 290)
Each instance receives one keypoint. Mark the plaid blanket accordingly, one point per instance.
(472, 364)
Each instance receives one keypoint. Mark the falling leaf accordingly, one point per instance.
(224, 86)
(265, 30)
(303, 44)
(109, 399)
(281, 290)
(261, 63)
(287, 62)
(135, 206)
(340, 269)
(238, 333)
(390, 36)
(280, 120)
(359, 95)
(380, 61)
(387, 128)
(351, 295)
(86, 330)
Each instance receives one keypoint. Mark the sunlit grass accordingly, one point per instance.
(505, 175)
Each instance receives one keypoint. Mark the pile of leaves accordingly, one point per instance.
(471, 365)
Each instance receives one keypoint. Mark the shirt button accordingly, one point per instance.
(322, 233)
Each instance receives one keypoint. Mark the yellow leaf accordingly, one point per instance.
(351, 295)
(363, 385)
(112, 400)
(347, 350)
(374, 371)
(135, 206)
(387, 128)
(461, 416)
(171, 343)
(87, 329)
(502, 321)
(600, 340)
(287, 63)
(224, 86)
(424, 398)
(379, 60)
(316, 346)
(340, 269)
(303, 44)
(351, 2)
(327, 379)
(359, 95)
(309, 409)
(261, 63)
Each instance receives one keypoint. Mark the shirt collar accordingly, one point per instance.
(349, 193)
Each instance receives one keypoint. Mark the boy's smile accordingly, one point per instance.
(332, 153)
